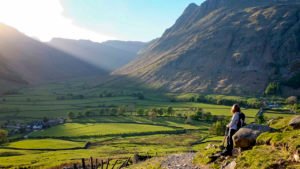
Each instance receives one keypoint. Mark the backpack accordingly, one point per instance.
(241, 122)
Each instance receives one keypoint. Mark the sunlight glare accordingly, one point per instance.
(43, 19)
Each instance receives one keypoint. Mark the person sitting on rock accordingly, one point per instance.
(232, 129)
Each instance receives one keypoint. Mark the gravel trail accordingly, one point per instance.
(179, 161)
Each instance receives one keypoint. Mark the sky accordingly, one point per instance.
(96, 20)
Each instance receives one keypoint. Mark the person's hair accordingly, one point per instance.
(235, 108)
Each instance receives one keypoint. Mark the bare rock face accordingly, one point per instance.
(246, 136)
(295, 122)
(225, 46)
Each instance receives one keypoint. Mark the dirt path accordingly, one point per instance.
(179, 161)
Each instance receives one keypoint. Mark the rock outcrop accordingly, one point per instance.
(295, 122)
(246, 136)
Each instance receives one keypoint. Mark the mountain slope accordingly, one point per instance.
(8, 78)
(108, 55)
(29, 61)
(224, 46)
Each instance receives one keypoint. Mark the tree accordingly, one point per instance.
(192, 99)
(218, 128)
(152, 115)
(173, 99)
(122, 110)
(88, 113)
(292, 102)
(140, 96)
(154, 110)
(198, 115)
(45, 119)
(81, 96)
(254, 102)
(80, 115)
(207, 116)
(214, 118)
(114, 111)
(71, 115)
(201, 98)
(3, 136)
(141, 112)
(179, 115)
(260, 119)
(170, 111)
(160, 111)
(273, 89)
(188, 120)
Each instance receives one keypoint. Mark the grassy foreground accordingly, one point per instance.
(25, 153)
(272, 150)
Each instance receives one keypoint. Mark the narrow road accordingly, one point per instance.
(179, 161)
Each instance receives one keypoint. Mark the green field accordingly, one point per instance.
(110, 134)
(95, 129)
(42, 101)
(156, 144)
(53, 144)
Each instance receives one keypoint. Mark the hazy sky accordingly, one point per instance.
(97, 20)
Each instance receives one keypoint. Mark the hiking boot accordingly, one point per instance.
(226, 153)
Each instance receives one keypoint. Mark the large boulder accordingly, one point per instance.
(295, 122)
(246, 136)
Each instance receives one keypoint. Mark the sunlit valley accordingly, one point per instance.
(138, 98)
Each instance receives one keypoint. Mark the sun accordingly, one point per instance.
(43, 19)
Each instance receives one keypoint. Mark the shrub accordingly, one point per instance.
(152, 115)
(207, 116)
(71, 115)
(253, 102)
(260, 119)
(273, 89)
(188, 120)
(218, 128)
(80, 115)
(197, 115)
(3, 136)
(170, 110)
(160, 111)
(141, 112)
(292, 102)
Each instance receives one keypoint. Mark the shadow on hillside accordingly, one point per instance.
(120, 82)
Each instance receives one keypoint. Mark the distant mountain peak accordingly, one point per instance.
(191, 6)
(108, 55)
(221, 46)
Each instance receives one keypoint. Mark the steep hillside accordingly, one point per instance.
(8, 78)
(225, 46)
(26, 60)
(108, 55)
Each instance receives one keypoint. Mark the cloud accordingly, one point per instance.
(44, 19)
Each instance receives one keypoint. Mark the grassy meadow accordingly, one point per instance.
(100, 121)
(97, 129)
(47, 144)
